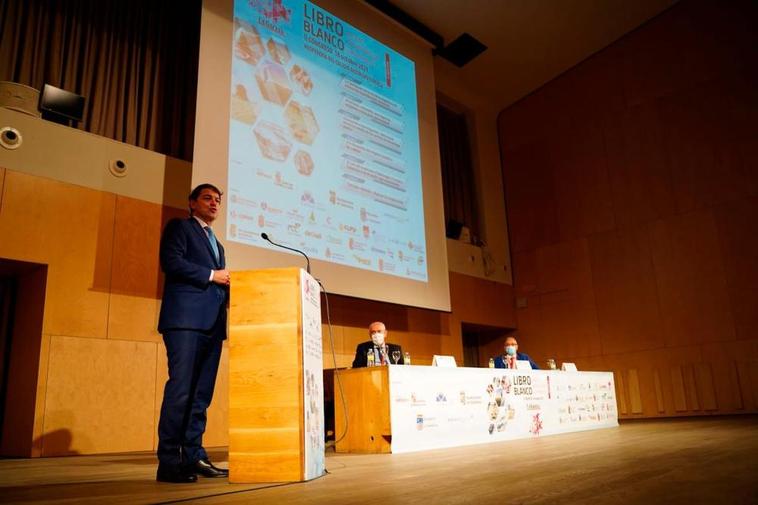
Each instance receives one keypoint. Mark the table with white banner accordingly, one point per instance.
(432, 408)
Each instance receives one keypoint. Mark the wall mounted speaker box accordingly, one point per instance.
(19, 97)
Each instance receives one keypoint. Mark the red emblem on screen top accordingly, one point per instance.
(272, 9)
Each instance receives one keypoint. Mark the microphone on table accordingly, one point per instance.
(265, 237)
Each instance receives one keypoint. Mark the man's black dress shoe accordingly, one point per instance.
(176, 475)
(205, 468)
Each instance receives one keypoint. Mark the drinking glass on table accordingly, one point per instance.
(395, 356)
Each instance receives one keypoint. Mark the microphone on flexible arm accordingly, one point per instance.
(264, 236)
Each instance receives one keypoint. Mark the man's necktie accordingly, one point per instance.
(212, 239)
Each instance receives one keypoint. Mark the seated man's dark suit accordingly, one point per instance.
(500, 361)
(360, 353)
(193, 324)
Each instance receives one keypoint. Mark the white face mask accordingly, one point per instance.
(377, 338)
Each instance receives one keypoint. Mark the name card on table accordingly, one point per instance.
(444, 361)
(568, 367)
(523, 364)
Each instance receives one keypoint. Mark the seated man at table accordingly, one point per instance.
(508, 360)
(379, 346)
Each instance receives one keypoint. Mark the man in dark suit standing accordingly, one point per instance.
(378, 345)
(193, 324)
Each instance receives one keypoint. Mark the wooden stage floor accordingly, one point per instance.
(694, 460)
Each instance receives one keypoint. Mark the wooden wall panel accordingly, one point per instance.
(2, 184)
(749, 394)
(40, 407)
(475, 301)
(646, 65)
(638, 170)
(136, 243)
(567, 305)
(660, 403)
(621, 394)
(699, 137)
(680, 395)
(71, 229)
(690, 280)
(582, 190)
(133, 318)
(635, 398)
(99, 396)
(690, 388)
(738, 243)
(704, 381)
(530, 198)
(623, 278)
(731, 390)
(670, 226)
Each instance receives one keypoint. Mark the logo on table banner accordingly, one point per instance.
(441, 398)
(522, 385)
(499, 408)
(416, 401)
(420, 422)
(311, 291)
(536, 424)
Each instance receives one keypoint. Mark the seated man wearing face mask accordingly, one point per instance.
(382, 350)
(508, 360)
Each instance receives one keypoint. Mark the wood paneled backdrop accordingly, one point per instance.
(631, 187)
(631, 190)
(102, 364)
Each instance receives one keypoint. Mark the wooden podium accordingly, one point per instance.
(367, 394)
(276, 418)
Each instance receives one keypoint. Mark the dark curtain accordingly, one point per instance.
(135, 62)
(458, 182)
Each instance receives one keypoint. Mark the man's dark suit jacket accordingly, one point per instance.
(190, 300)
(362, 349)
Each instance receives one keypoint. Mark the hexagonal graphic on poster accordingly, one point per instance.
(272, 140)
(301, 122)
(278, 51)
(273, 83)
(302, 79)
(242, 107)
(303, 163)
(248, 45)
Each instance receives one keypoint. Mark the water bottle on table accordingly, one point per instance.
(370, 357)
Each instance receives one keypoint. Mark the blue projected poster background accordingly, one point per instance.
(323, 140)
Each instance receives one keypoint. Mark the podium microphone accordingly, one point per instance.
(264, 236)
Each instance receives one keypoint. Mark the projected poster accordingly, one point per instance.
(323, 140)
